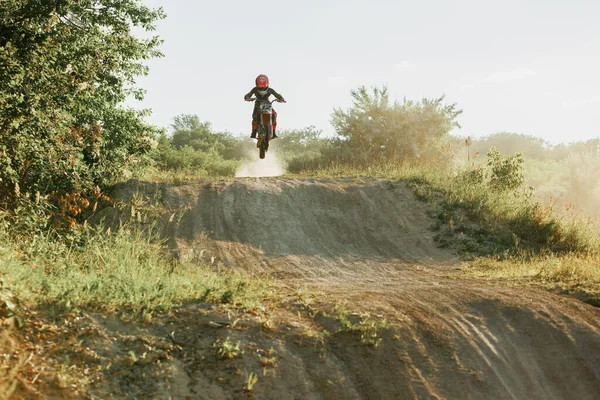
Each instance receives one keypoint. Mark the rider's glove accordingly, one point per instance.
(247, 98)
(282, 101)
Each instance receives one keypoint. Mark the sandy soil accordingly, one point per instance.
(366, 244)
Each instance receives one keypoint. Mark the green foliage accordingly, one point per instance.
(67, 66)
(489, 211)
(505, 172)
(189, 131)
(251, 381)
(375, 128)
(193, 146)
(472, 177)
(583, 187)
(186, 158)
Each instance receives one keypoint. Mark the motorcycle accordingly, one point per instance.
(265, 126)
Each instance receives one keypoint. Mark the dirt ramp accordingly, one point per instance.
(305, 227)
(306, 217)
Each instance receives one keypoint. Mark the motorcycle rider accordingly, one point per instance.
(262, 91)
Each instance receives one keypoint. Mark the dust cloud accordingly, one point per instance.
(254, 167)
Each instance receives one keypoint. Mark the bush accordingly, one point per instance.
(505, 172)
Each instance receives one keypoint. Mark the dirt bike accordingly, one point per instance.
(265, 126)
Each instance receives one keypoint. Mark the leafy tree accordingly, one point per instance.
(189, 131)
(376, 128)
(67, 67)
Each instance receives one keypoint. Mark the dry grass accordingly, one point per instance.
(374, 170)
(571, 273)
(11, 365)
(175, 176)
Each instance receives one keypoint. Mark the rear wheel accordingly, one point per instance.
(261, 152)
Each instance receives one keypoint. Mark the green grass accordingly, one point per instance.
(178, 176)
(375, 170)
(127, 270)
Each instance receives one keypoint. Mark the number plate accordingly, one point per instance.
(266, 107)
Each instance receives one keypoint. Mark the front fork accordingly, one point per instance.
(266, 120)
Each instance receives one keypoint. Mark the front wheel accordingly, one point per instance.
(263, 146)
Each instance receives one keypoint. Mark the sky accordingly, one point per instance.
(523, 66)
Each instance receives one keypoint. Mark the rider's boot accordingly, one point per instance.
(274, 136)
(253, 134)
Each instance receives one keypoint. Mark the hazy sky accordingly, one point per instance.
(523, 66)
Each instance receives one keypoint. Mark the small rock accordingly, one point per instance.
(214, 324)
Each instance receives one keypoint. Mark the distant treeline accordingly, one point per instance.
(374, 128)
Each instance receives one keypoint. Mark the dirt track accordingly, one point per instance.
(369, 244)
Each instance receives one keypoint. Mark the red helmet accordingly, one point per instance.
(262, 81)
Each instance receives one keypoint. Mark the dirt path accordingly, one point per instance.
(369, 244)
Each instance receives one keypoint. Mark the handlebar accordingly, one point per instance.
(270, 102)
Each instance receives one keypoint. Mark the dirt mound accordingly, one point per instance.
(305, 228)
(368, 244)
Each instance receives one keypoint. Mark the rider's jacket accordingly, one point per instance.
(264, 97)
